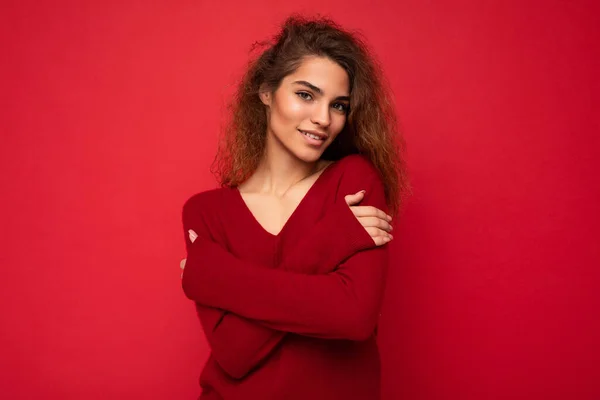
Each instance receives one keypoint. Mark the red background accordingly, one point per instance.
(110, 113)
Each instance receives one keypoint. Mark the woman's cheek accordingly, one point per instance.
(294, 108)
(339, 124)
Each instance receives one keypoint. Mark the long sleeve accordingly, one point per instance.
(239, 344)
(340, 304)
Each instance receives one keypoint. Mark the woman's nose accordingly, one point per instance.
(321, 116)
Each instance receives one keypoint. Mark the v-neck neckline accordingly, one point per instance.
(296, 211)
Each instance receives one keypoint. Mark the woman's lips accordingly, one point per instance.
(312, 141)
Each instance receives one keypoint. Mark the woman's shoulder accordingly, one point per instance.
(356, 167)
(207, 199)
(357, 172)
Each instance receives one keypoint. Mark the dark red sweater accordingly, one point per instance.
(289, 316)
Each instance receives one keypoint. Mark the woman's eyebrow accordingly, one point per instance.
(319, 90)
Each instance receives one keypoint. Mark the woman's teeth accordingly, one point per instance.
(310, 135)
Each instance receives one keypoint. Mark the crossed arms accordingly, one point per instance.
(329, 286)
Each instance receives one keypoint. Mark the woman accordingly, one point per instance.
(286, 262)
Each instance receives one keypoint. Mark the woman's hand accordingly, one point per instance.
(193, 235)
(182, 266)
(375, 221)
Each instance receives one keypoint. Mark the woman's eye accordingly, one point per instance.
(304, 95)
(338, 106)
(341, 107)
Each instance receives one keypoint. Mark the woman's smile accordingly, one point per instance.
(313, 101)
(313, 139)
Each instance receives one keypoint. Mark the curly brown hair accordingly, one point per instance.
(371, 127)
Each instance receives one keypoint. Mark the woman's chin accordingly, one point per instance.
(308, 155)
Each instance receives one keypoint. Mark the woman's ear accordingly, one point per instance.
(265, 96)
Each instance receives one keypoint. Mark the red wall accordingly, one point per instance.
(110, 113)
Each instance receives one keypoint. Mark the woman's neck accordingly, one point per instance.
(276, 174)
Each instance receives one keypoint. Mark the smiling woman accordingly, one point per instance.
(286, 262)
(312, 101)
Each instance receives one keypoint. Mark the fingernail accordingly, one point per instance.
(363, 191)
(389, 217)
(391, 228)
(391, 236)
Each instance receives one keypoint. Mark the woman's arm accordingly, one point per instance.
(239, 344)
(343, 304)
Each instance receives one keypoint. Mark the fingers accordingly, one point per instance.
(380, 237)
(182, 266)
(193, 236)
(355, 198)
(370, 211)
(364, 211)
(381, 240)
(376, 223)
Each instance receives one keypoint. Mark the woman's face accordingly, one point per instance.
(308, 110)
